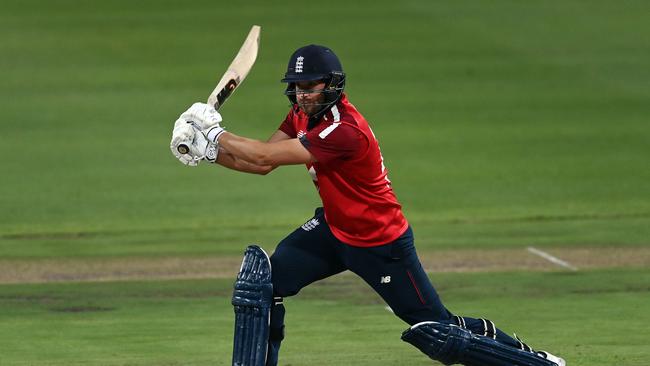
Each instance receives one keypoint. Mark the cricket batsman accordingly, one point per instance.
(360, 226)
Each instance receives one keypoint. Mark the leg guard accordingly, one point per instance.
(276, 331)
(252, 300)
(451, 344)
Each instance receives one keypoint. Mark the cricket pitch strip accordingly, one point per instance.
(161, 268)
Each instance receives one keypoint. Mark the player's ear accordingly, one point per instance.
(337, 80)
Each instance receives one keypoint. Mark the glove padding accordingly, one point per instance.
(188, 133)
(183, 133)
(204, 115)
(190, 130)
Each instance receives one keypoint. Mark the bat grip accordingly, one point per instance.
(183, 149)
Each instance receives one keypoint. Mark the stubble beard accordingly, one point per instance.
(311, 107)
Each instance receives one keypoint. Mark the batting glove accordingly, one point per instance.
(213, 133)
(204, 115)
(200, 148)
(183, 134)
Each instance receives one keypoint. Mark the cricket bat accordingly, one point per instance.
(240, 66)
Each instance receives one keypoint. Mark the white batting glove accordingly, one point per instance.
(204, 115)
(188, 134)
(213, 133)
(203, 149)
(211, 152)
(183, 134)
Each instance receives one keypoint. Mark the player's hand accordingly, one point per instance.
(204, 115)
(188, 134)
(203, 149)
(183, 133)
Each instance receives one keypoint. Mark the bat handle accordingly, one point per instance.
(183, 149)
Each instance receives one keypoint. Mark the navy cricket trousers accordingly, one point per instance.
(393, 270)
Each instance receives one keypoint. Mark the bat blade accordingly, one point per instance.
(239, 68)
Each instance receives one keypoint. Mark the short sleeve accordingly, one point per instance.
(334, 141)
(287, 126)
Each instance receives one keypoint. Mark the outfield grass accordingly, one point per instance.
(230, 239)
(338, 322)
(503, 124)
(496, 111)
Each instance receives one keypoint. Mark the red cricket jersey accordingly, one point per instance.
(360, 206)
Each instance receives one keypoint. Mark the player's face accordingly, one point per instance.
(309, 95)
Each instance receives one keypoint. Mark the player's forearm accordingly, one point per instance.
(249, 150)
(229, 161)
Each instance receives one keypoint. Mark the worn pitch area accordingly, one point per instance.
(154, 268)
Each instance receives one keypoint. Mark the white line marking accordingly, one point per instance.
(389, 309)
(552, 259)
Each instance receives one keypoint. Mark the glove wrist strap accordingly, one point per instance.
(214, 133)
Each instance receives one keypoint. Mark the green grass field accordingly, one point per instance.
(190, 322)
(504, 125)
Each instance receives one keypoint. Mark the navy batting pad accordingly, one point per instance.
(252, 299)
(451, 344)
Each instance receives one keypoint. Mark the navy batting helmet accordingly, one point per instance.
(315, 63)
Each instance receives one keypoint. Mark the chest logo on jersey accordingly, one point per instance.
(299, 62)
(310, 225)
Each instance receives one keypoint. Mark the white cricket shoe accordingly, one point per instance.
(558, 360)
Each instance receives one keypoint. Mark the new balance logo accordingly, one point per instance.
(299, 61)
(310, 225)
(385, 279)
